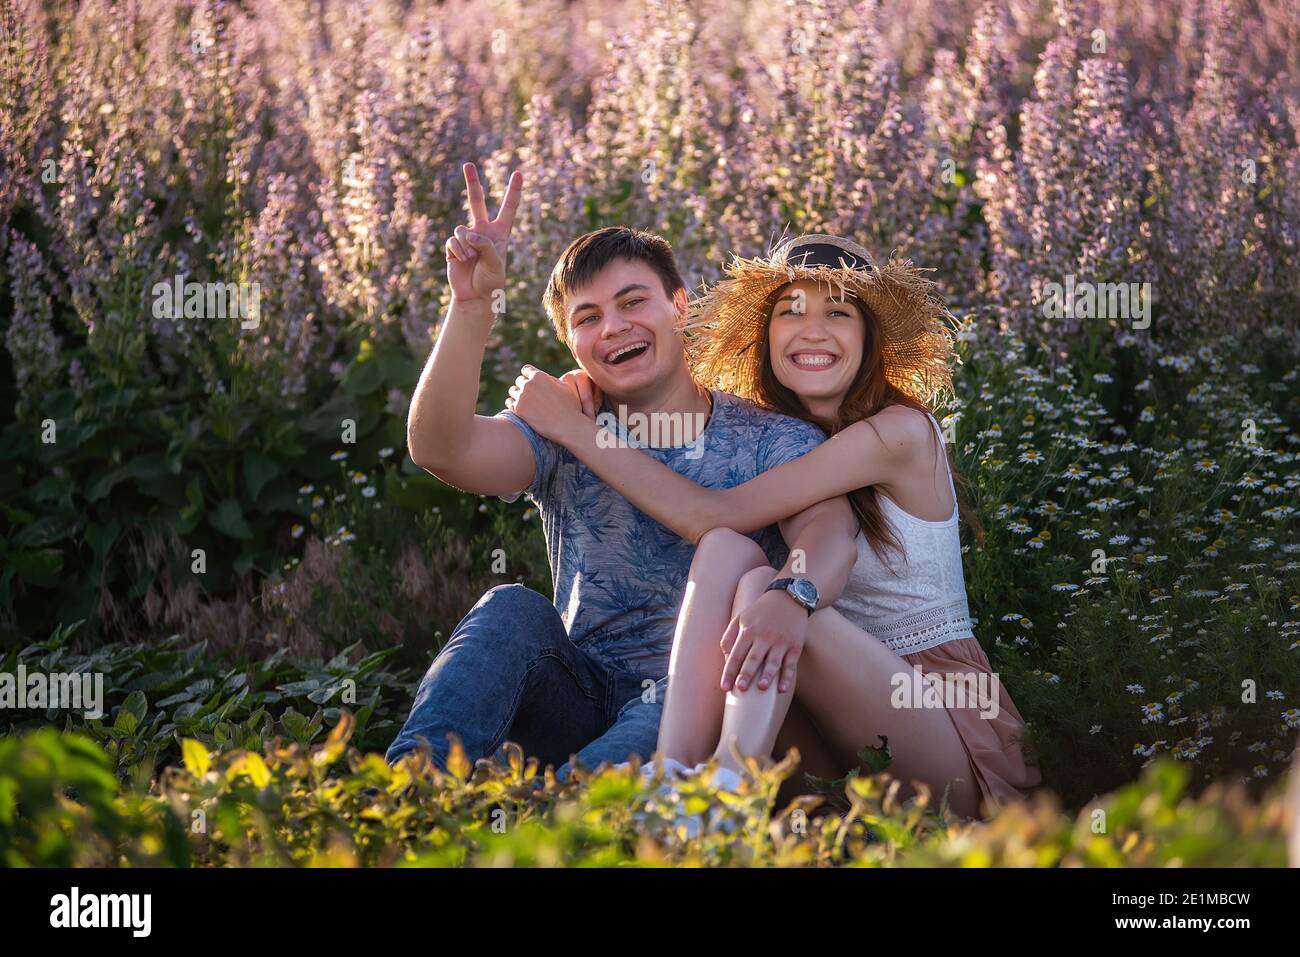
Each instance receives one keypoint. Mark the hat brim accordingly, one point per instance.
(728, 322)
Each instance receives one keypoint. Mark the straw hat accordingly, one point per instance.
(727, 323)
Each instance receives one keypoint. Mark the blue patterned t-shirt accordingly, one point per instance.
(620, 576)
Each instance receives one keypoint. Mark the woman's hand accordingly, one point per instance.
(589, 393)
(552, 406)
(765, 640)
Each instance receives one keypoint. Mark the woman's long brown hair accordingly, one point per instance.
(869, 392)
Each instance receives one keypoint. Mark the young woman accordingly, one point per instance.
(820, 332)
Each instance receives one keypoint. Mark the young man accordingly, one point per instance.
(584, 675)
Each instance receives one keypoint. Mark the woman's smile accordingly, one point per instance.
(813, 360)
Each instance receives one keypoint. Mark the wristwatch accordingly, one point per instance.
(800, 589)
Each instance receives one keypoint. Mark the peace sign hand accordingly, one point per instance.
(476, 254)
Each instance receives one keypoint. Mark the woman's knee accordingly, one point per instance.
(752, 584)
(724, 552)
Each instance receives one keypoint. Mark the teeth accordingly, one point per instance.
(627, 348)
(813, 361)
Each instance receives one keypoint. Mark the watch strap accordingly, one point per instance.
(783, 584)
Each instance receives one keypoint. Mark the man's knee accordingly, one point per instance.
(508, 627)
(516, 600)
(512, 613)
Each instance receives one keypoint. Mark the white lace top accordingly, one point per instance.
(920, 601)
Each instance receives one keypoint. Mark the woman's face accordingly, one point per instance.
(815, 343)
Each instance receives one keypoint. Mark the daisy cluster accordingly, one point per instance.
(1144, 516)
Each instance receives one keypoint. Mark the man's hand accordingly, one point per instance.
(551, 406)
(476, 254)
(766, 639)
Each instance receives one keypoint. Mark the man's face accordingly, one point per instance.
(623, 329)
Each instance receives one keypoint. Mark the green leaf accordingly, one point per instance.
(145, 467)
(229, 520)
(327, 421)
(258, 470)
(50, 489)
(40, 568)
(232, 704)
(44, 531)
(256, 769)
(295, 723)
(418, 492)
(59, 403)
(363, 378)
(322, 695)
(188, 711)
(102, 537)
(876, 759)
(301, 687)
(187, 517)
(137, 704)
(400, 371)
(126, 722)
(280, 496)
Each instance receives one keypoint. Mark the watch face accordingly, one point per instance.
(804, 590)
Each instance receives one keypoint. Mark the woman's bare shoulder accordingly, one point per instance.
(901, 429)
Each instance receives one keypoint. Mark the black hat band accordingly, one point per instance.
(824, 254)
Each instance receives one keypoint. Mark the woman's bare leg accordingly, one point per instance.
(846, 681)
(768, 723)
(693, 701)
(816, 757)
(763, 722)
(841, 703)
(753, 717)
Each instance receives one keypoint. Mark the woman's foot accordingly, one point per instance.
(673, 769)
(722, 779)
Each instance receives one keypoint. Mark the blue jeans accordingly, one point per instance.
(510, 672)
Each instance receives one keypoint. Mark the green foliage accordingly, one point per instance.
(60, 807)
(290, 804)
(153, 697)
(1139, 556)
(137, 478)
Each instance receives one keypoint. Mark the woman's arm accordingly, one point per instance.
(855, 457)
(690, 509)
(766, 639)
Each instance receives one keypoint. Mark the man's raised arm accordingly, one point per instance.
(444, 435)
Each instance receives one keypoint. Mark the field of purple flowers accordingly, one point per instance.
(246, 484)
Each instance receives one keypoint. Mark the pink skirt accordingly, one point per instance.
(993, 744)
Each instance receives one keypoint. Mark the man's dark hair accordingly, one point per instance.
(592, 252)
